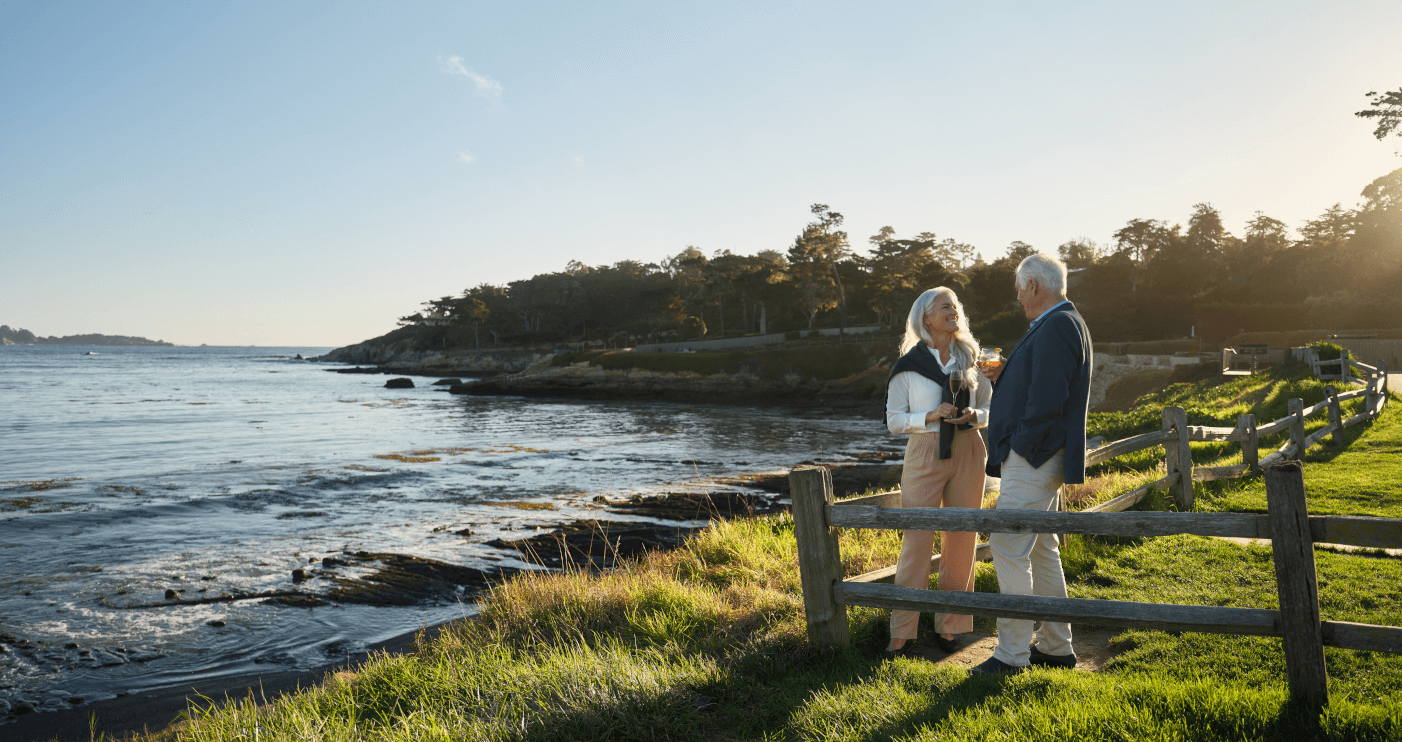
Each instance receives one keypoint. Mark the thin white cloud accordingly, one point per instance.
(466, 157)
(578, 161)
(486, 86)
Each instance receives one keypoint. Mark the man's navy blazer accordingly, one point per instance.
(1040, 400)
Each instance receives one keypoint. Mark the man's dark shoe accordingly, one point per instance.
(948, 646)
(995, 666)
(1067, 661)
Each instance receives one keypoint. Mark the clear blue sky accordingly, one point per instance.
(303, 173)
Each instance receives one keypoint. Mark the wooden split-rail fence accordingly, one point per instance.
(818, 518)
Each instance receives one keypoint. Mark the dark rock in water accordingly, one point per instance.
(296, 601)
(447, 382)
(300, 358)
(172, 595)
(698, 506)
(329, 562)
(601, 499)
(217, 624)
(356, 370)
(464, 532)
(594, 544)
(299, 575)
(400, 383)
(402, 579)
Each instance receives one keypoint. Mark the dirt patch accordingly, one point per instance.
(1092, 645)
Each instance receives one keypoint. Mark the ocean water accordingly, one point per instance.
(127, 472)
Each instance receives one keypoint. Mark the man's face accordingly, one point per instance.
(1027, 297)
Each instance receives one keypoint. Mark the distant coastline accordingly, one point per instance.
(10, 336)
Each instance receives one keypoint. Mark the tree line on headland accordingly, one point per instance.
(25, 337)
(1154, 280)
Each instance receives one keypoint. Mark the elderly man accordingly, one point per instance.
(1036, 443)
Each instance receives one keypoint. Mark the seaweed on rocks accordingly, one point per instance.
(403, 579)
(595, 544)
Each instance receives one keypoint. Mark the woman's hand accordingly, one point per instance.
(944, 411)
(966, 416)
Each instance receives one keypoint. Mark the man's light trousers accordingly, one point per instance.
(1029, 563)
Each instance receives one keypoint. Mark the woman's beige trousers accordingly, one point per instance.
(928, 482)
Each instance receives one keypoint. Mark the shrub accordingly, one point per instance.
(1328, 351)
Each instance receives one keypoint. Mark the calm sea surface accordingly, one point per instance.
(125, 472)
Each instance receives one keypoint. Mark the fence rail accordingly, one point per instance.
(1291, 530)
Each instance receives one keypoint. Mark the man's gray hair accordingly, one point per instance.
(1047, 270)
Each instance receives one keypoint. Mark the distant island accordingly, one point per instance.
(25, 337)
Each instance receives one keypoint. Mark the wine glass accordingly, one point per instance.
(956, 382)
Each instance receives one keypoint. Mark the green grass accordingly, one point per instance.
(708, 642)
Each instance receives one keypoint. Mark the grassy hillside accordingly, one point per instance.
(707, 642)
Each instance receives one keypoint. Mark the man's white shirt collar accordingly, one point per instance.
(1049, 309)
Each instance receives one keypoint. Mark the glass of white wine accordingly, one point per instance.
(990, 358)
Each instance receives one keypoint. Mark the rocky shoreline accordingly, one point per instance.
(393, 579)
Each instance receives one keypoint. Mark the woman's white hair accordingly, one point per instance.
(964, 348)
(1048, 271)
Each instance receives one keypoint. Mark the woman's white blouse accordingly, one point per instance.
(910, 395)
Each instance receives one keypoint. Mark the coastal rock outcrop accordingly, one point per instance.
(399, 384)
(859, 391)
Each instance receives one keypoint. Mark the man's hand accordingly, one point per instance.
(992, 374)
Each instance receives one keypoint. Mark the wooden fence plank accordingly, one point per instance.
(1130, 499)
(1355, 394)
(1128, 445)
(982, 553)
(1203, 433)
(1213, 473)
(1357, 530)
(1319, 435)
(1167, 617)
(1293, 550)
(1250, 442)
(890, 499)
(819, 561)
(1276, 426)
(1316, 407)
(1349, 635)
(1361, 417)
(1237, 525)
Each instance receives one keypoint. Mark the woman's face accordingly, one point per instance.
(943, 317)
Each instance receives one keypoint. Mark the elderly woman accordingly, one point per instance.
(937, 396)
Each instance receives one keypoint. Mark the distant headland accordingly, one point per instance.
(10, 336)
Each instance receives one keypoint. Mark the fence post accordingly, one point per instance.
(1335, 416)
(1371, 399)
(1345, 371)
(819, 560)
(1295, 579)
(1297, 427)
(1250, 442)
(1178, 457)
